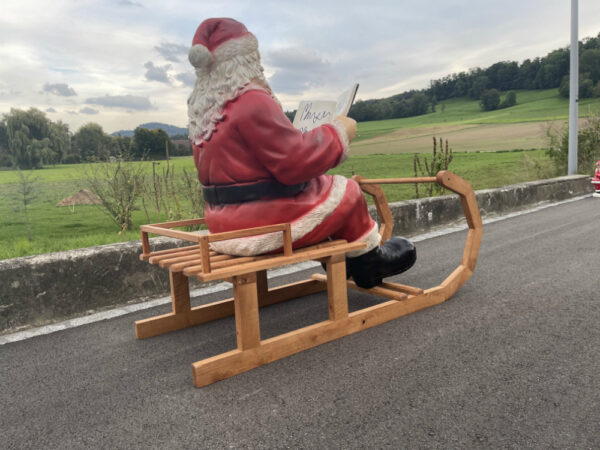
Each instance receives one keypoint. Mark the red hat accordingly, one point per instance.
(220, 39)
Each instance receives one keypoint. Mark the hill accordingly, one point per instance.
(462, 122)
(171, 130)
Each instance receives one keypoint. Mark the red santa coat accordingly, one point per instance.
(596, 179)
(256, 142)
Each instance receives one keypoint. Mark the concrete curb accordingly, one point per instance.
(43, 289)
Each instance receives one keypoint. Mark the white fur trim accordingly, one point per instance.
(200, 57)
(215, 86)
(372, 238)
(264, 243)
(233, 47)
(341, 131)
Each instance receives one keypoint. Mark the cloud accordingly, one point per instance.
(88, 110)
(61, 89)
(156, 73)
(187, 78)
(9, 93)
(134, 102)
(171, 51)
(297, 70)
(50, 110)
(130, 3)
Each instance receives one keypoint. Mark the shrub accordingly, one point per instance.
(118, 185)
(588, 145)
(509, 100)
(439, 161)
(172, 196)
(490, 100)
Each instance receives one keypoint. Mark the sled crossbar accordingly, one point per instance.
(248, 275)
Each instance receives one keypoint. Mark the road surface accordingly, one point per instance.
(511, 361)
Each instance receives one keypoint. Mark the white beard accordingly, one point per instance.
(216, 86)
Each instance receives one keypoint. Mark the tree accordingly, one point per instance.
(479, 86)
(60, 143)
(490, 100)
(564, 89)
(589, 62)
(28, 135)
(27, 193)
(5, 160)
(90, 143)
(586, 87)
(419, 104)
(151, 143)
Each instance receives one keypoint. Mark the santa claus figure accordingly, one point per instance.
(596, 180)
(257, 169)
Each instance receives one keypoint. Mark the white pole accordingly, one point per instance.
(573, 89)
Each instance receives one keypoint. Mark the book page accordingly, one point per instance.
(345, 100)
(311, 114)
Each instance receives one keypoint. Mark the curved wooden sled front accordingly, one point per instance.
(464, 271)
(251, 291)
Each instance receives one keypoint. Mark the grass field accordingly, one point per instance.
(62, 228)
(468, 129)
(532, 106)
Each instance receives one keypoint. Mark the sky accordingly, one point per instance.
(121, 63)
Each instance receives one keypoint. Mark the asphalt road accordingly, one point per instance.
(511, 361)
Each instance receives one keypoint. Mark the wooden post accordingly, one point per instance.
(180, 292)
(145, 244)
(178, 319)
(204, 254)
(247, 325)
(337, 292)
(262, 284)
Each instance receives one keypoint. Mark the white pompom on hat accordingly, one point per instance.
(218, 40)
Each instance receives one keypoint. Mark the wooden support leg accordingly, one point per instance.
(224, 308)
(180, 292)
(337, 292)
(247, 325)
(231, 363)
(262, 284)
(176, 320)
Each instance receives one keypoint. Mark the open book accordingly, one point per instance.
(311, 114)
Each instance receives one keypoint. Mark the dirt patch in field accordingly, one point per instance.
(461, 138)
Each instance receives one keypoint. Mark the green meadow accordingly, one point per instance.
(56, 228)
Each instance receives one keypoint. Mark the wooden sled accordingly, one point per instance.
(250, 288)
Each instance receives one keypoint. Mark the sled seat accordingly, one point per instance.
(248, 275)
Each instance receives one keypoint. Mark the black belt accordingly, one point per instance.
(242, 193)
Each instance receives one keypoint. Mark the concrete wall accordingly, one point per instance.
(38, 290)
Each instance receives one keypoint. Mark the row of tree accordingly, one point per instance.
(29, 140)
(486, 85)
(539, 73)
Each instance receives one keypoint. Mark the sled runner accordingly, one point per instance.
(250, 287)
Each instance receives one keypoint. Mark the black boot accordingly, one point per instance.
(395, 256)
